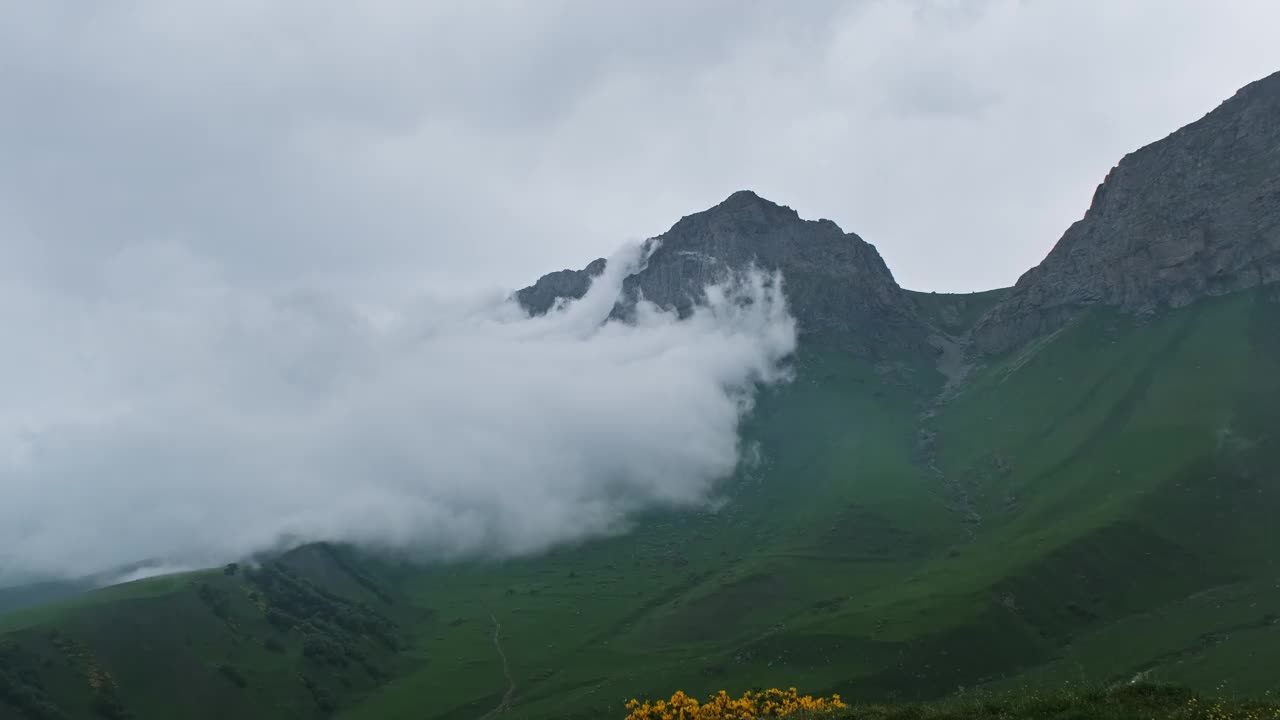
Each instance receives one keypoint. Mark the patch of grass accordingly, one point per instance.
(1128, 702)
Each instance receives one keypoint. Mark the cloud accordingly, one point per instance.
(176, 419)
(375, 145)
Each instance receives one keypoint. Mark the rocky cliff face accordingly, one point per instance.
(1195, 214)
(838, 287)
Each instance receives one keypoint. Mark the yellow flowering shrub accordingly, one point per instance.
(772, 703)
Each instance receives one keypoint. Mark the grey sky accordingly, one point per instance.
(253, 256)
(386, 145)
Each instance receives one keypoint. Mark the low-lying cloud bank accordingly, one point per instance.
(195, 423)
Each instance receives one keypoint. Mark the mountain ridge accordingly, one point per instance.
(838, 287)
(1194, 214)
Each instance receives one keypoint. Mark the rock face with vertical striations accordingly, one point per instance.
(1195, 214)
(838, 287)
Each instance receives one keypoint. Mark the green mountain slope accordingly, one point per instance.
(1123, 477)
(285, 639)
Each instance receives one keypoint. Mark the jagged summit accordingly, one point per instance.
(747, 201)
(741, 198)
(749, 212)
(838, 286)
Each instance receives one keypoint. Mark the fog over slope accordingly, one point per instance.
(194, 422)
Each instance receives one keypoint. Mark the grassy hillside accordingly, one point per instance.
(1097, 507)
(286, 639)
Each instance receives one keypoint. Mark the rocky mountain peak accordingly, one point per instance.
(839, 288)
(746, 206)
(1194, 214)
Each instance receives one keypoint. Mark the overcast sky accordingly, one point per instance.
(254, 256)
(383, 145)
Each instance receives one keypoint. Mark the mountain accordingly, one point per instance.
(1074, 479)
(837, 285)
(1195, 214)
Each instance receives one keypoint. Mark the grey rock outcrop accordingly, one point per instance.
(1192, 215)
(539, 297)
(837, 285)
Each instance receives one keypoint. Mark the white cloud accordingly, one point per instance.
(177, 419)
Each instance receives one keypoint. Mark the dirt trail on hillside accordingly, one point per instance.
(505, 705)
(955, 368)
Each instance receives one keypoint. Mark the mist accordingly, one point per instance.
(175, 418)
